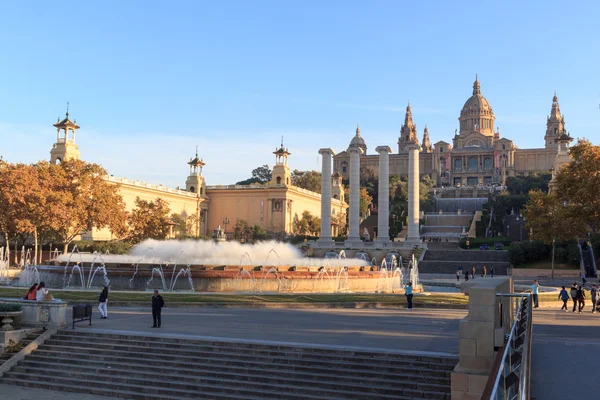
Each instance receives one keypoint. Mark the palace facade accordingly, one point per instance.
(477, 154)
(274, 206)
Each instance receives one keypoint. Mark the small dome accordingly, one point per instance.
(358, 141)
(476, 104)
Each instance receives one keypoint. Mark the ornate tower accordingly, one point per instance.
(477, 114)
(426, 146)
(281, 172)
(358, 141)
(195, 181)
(555, 125)
(562, 156)
(337, 189)
(408, 132)
(65, 147)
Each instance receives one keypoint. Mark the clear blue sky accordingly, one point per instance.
(148, 81)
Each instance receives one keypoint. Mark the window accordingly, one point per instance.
(192, 189)
(279, 180)
(441, 149)
(503, 147)
(487, 163)
(457, 164)
(343, 169)
(472, 163)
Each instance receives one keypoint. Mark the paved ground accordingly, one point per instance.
(419, 329)
(11, 392)
(565, 355)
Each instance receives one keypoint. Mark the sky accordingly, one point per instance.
(148, 81)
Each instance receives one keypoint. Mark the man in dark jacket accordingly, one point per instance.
(157, 305)
(574, 295)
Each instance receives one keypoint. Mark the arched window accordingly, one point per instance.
(279, 180)
(472, 163)
(487, 163)
(201, 191)
(58, 161)
(192, 189)
(503, 147)
(457, 164)
(441, 149)
(335, 196)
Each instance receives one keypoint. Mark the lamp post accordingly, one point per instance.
(520, 218)
(553, 245)
(225, 223)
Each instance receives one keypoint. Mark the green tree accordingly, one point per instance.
(309, 180)
(262, 174)
(522, 185)
(149, 220)
(550, 219)
(308, 224)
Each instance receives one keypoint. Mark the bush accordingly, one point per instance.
(10, 307)
(476, 242)
(516, 254)
(113, 246)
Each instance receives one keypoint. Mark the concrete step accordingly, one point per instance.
(308, 373)
(200, 380)
(237, 354)
(192, 344)
(283, 365)
(185, 390)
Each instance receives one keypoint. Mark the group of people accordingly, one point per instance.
(473, 272)
(157, 304)
(433, 239)
(38, 292)
(578, 296)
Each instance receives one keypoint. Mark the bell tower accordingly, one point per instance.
(555, 126)
(65, 147)
(337, 189)
(195, 181)
(281, 172)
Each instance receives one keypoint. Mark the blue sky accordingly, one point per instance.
(148, 81)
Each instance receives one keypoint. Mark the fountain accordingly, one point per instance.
(4, 264)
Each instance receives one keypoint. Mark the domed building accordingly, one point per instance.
(477, 154)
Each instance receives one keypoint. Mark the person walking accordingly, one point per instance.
(473, 273)
(594, 296)
(102, 303)
(534, 290)
(484, 273)
(581, 298)
(583, 280)
(157, 305)
(492, 272)
(564, 296)
(457, 275)
(574, 295)
(466, 275)
(408, 292)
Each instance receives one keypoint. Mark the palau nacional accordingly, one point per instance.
(477, 156)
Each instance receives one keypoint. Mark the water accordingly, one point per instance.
(170, 285)
(86, 281)
(446, 225)
(4, 264)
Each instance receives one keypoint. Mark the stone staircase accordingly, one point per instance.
(134, 366)
(444, 261)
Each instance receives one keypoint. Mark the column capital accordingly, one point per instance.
(383, 149)
(326, 151)
(355, 149)
(413, 146)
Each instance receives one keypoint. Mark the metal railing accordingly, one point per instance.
(509, 379)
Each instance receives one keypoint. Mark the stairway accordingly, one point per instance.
(134, 366)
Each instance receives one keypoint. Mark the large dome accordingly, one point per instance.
(358, 141)
(477, 114)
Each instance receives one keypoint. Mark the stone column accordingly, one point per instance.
(413, 195)
(354, 216)
(383, 209)
(325, 240)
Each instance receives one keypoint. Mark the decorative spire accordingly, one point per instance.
(357, 129)
(555, 112)
(426, 142)
(282, 141)
(67, 110)
(476, 86)
(196, 151)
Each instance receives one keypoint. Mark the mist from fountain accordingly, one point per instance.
(4, 264)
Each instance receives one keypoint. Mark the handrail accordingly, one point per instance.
(504, 370)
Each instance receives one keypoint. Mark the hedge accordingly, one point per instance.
(476, 242)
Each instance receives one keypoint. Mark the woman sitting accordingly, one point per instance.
(42, 293)
(31, 293)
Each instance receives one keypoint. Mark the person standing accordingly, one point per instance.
(473, 273)
(484, 273)
(408, 292)
(574, 295)
(457, 275)
(492, 271)
(157, 305)
(102, 303)
(534, 290)
(466, 275)
(594, 296)
(581, 298)
(564, 296)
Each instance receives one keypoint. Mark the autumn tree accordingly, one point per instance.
(551, 219)
(578, 183)
(307, 225)
(79, 199)
(149, 220)
(309, 180)
(262, 174)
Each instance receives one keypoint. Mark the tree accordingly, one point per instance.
(365, 200)
(179, 224)
(521, 185)
(550, 219)
(308, 224)
(242, 230)
(261, 174)
(309, 180)
(578, 183)
(149, 220)
(79, 199)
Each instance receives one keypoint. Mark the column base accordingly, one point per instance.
(325, 242)
(412, 241)
(384, 242)
(354, 243)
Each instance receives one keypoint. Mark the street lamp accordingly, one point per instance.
(553, 245)
(225, 223)
(520, 218)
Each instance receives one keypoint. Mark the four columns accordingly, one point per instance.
(413, 194)
(354, 212)
(325, 240)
